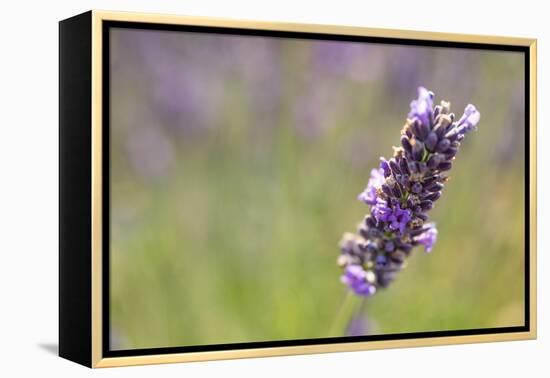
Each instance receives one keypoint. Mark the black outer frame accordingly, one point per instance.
(75, 189)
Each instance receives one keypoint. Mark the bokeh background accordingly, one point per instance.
(235, 166)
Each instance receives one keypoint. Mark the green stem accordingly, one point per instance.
(343, 316)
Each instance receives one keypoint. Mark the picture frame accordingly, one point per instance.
(85, 279)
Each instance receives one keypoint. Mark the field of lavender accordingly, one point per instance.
(236, 163)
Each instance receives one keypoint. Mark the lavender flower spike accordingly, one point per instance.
(401, 192)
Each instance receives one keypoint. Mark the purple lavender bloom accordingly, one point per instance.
(396, 217)
(428, 238)
(469, 119)
(422, 108)
(381, 210)
(385, 167)
(358, 280)
(400, 194)
(376, 180)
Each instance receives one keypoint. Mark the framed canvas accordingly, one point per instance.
(235, 189)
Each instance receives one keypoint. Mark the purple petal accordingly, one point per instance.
(469, 119)
(422, 107)
(428, 238)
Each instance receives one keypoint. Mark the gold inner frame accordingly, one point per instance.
(97, 196)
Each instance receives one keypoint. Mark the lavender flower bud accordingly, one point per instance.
(416, 187)
(356, 278)
(431, 141)
(385, 167)
(406, 144)
(423, 130)
(439, 130)
(422, 107)
(422, 168)
(350, 244)
(426, 205)
(389, 246)
(434, 161)
(434, 187)
(394, 167)
(433, 196)
(397, 192)
(404, 167)
(398, 257)
(386, 189)
(431, 179)
(423, 217)
(450, 153)
(443, 145)
(417, 150)
(445, 166)
(469, 119)
(428, 238)
(370, 222)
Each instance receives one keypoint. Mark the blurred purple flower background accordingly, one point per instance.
(233, 162)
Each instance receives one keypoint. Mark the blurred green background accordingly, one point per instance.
(235, 166)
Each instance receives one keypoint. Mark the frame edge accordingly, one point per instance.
(98, 16)
(310, 28)
(533, 186)
(75, 81)
(96, 189)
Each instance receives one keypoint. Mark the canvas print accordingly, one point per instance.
(267, 188)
